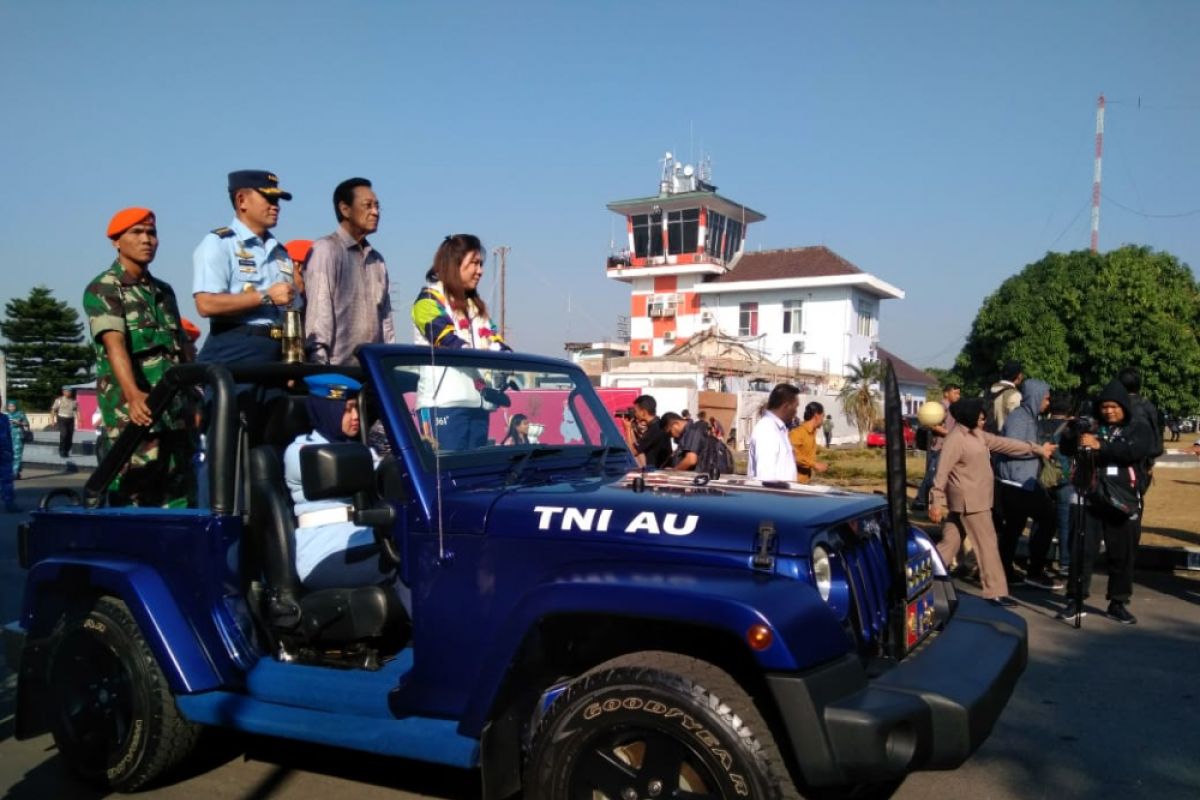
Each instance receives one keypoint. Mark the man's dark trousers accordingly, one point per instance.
(66, 435)
(1019, 505)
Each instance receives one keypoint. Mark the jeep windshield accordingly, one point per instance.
(476, 411)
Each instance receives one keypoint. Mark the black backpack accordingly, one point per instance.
(712, 455)
(923, 438)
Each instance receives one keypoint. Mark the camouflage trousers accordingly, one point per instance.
(159, 473)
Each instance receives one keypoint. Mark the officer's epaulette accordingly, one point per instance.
(224, 233)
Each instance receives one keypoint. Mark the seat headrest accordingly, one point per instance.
(287, 418)
(264, 464)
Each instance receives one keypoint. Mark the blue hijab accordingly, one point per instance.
(326, 403)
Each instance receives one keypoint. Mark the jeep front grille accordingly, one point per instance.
(867, 573)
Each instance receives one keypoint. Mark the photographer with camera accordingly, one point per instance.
(1110, 455)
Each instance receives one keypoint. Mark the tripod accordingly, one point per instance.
(1083, 478)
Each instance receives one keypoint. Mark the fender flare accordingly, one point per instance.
(55, 584)
(806, 632)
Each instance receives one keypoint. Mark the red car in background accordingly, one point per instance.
(876, 437)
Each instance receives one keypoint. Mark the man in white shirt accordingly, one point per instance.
(770, 451)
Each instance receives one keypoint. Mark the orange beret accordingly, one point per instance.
(126, 218)
(189, 328)
(299, 249)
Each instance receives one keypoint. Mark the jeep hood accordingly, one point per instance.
(672, 511)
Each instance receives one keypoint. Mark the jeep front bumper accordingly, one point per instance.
(931, 711)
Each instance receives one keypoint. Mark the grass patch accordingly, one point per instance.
(853, 466)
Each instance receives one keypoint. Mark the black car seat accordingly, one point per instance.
(297, 618)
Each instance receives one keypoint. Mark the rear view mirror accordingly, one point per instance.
(336, 470)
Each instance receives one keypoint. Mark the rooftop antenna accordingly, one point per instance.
(664, 182)
(1096, 175)
(501, 254)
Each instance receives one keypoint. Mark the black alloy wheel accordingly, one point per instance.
(655, 725)
(112, 714)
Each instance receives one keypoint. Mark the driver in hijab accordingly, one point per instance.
(331, 551)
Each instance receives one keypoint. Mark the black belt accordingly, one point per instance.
(268, 331)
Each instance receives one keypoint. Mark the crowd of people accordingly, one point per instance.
(1022, 456)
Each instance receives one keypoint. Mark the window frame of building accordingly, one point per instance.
(864, 318)
(748, 319)
(647, 235)
(793, 317)
(683, 231)
(714, 230)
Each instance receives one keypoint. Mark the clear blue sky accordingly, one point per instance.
(941, 146)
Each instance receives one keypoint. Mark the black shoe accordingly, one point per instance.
(1072, 611)
(1043, 581)
(1003, 602)
(1017, 580)
(1119, 613)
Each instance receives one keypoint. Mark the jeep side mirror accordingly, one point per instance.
(336, 470)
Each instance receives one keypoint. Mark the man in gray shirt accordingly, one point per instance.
(346, 281)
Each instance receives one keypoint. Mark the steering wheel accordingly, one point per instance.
(48, 498)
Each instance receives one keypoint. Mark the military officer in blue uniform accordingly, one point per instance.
(243, 281)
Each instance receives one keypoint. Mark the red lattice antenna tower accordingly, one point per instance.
(1096, 175)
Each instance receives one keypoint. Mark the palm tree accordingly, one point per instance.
(860, 396)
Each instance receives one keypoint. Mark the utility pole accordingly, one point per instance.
(501, 255)
(1096, 175)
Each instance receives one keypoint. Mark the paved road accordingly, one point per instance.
(1105, 712)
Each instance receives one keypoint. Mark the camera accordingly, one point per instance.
(1084, 423)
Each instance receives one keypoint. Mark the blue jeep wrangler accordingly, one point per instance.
(578, 628)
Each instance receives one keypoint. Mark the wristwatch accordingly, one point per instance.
(266, 300)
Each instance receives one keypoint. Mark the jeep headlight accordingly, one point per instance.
(822, 567)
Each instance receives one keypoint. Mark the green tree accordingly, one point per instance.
(860, 395)
(44, 348)
(1075, 319)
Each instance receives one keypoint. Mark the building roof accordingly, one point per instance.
(792, 262)
(674, 202)
(796, 268)
(906, 372)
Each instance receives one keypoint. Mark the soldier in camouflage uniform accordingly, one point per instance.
(137, 334)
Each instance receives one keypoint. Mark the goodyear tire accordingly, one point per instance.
(111, 713)
(652, 725)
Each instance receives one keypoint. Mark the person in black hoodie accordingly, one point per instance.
(1118, 449)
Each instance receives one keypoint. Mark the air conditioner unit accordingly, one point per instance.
(706, 318)
(798, 347)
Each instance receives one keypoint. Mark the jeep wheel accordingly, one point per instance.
(652, 725)
(112, 715)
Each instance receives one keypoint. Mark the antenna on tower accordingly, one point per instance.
(668, 164)
(1096, 175)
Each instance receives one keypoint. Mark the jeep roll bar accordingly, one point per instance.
(222, 434)
(222, 382)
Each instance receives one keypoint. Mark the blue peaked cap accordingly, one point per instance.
(332, 386)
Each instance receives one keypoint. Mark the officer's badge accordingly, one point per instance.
(243, 254)
(247, 264)
(286, 267)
